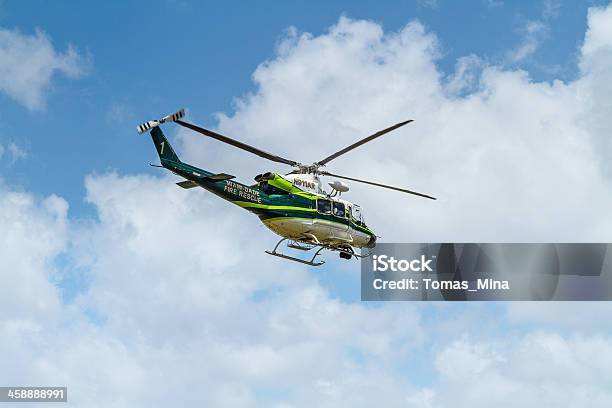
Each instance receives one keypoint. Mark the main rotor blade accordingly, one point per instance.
(362, 141)
(237, 144)
(403, 190)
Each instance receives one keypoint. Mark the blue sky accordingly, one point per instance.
(160, 289)
(144, 61)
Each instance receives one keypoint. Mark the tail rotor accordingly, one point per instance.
(155, 123)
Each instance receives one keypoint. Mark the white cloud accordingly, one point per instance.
(538, 369)
(29, 62)
(432, 4)
(465, 79)
(551, 9)
(34, 233)
(599, 32)
(173, 275)
(494, 3)
(534, 33)
(181, 263)
(173, 284)
(595, 85)
(585, 317)
(16, 152)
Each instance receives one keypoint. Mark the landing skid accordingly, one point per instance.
(304, 261)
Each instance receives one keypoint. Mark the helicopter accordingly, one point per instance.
(294, 205)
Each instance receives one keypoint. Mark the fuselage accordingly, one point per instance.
(289, 210)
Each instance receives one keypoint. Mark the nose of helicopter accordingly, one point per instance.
(372, 241)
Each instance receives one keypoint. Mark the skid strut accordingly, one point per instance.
(304, 261)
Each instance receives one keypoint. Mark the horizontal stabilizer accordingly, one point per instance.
(219, 177)
(187, 184)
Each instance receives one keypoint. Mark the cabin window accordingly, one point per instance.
(338, 209)
(324, 206)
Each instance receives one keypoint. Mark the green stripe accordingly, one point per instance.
(246, 204)
(352, 225)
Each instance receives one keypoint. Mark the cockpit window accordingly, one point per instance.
(338, 209)
(324, 206)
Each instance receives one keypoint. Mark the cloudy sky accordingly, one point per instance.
(133, 292)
